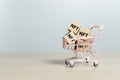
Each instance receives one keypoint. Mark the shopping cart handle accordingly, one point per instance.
(98, 27)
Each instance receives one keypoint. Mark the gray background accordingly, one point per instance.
(35, 26)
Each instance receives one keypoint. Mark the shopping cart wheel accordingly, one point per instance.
(72, 64)
(95, 63)
(66, 62)
(87, 59)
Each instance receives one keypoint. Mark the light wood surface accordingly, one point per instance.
(51, 67)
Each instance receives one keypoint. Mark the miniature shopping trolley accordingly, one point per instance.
(85, 44)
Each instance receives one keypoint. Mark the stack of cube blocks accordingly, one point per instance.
(75, 31)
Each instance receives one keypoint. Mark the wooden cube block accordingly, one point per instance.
(81, 44)
(83, 33)
(69, 36)
(74, 27)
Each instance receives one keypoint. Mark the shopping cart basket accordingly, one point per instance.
(83, 45)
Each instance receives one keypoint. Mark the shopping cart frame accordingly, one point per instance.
(91, 41)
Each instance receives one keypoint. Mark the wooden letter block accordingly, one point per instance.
(74, 27)
(83, 32)
(69, 36)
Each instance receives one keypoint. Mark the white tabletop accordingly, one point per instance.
(51, 67)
